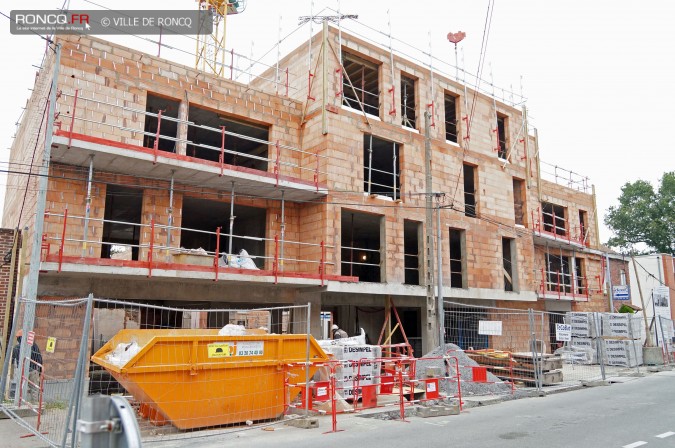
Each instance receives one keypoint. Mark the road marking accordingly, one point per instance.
(440, 423)
(666, 434)
(635, 445)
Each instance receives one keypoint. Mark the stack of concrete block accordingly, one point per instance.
(623, 325)
(622, 335)
(583, 324)
(582, 349)
(622, 352)
(358, 365)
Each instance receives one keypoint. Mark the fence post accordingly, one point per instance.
(632, 338)
(666, 356)
(8, 352)
(597, 321)
(308, 336)
(80, 373)
(535, 354)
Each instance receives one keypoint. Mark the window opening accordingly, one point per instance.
(450, 117)
(622, 275)
(408, 101)
(554, 218)
(250, 150)
(501, 134)
(470, 191)
(508, 263)
(519, 201)
(381, 172)
(583, 237)
(457, 258)
(202, 215)
(558, 277)
(360, 246)
(167, 128)
(365, 80)
(121, 226)
(412, 257)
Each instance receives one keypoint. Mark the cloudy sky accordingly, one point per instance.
(599, 75)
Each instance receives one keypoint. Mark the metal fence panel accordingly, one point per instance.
(177, 360)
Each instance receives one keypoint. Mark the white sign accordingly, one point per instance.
(253, 348)
(620, 292)
(563, 332)
(490, 327)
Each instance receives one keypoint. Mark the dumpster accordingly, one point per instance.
(196, 378)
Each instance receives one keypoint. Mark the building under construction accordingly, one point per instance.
(323, 180)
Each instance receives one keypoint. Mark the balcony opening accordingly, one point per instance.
(121, 226)
(381, 167)
(509, 264)
(450, 117)
(365, 79)
(470, 178)
(519, 201)
(412, 231)
(558, 274)
(202, 215)
(167, 127)
(408, 101)
(361, 245)
(249, 149)
(554, 218)
(457, 258)
(579, 275)
(503, 149)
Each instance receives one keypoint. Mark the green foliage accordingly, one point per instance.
(644, 216)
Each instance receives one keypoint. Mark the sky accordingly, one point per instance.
(598, 75)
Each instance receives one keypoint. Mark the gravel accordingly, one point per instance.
(493, 385)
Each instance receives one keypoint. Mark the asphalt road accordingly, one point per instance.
(638, 412)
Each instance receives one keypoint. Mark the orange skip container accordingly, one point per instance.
(196, 378)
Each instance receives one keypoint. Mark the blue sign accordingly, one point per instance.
(621, 292)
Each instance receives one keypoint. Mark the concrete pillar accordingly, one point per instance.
(181, 146)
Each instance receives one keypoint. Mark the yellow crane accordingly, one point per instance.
(210, 54)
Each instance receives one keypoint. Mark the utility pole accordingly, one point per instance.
(432, 311)
(648, 342)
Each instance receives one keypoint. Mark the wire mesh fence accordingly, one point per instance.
(506, 343)
(192, 371)
(182, 369)
(666, 328)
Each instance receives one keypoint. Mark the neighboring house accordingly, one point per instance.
(656, 274)
(325, 193)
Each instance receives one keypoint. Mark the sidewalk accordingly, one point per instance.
(13, 435)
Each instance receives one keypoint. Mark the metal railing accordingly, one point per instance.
(279, 156)
(71, 246)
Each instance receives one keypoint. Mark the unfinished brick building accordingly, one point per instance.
(160, 175)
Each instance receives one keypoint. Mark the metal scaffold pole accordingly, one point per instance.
(34, 268)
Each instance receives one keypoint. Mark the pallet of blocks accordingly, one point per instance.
(519, 367)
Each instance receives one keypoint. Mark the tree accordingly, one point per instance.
(644, 216)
